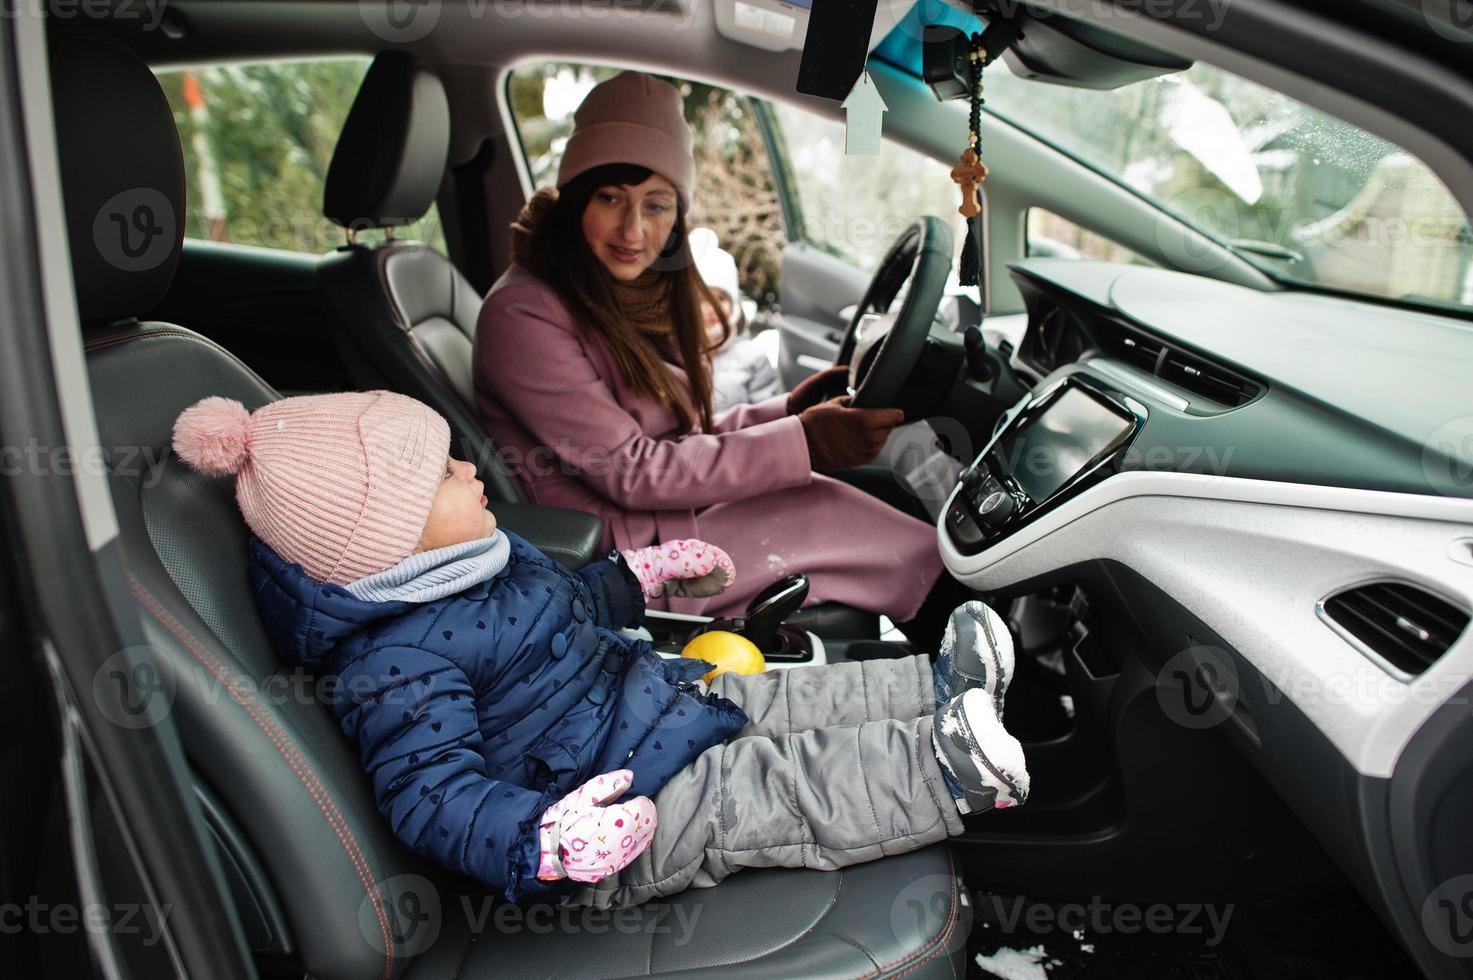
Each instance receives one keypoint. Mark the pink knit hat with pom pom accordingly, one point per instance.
(340, 484)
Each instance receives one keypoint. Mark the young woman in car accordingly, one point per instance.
(514, 733)
(592, 373)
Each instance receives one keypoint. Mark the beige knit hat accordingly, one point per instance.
(341, 484)
(632, 118)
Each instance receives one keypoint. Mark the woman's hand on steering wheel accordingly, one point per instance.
(816, 388)
(841, 436)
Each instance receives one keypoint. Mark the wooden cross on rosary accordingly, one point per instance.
(970, 171)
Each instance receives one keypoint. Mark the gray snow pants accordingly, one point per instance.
(834, 768)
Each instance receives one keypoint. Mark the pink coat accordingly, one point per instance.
(570, 427)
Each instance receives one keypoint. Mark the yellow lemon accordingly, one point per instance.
(728, 651)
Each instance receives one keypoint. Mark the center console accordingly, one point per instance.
(1063, 439)
(764, 624)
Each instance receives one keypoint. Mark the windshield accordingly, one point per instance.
(1301, 194)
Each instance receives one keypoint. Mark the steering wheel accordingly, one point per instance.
(880, 347)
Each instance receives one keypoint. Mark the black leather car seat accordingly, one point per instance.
(405, 307)
(319, 884)
(400, 304)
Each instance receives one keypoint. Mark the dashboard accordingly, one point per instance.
(1290, 386)
(1289, 478)
(1253, 452)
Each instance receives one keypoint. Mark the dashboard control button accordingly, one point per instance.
(959, 523)
(996, 509)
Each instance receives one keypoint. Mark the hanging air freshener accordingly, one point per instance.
(864, 111)
(970, 171)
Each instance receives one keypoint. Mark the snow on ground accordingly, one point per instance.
(1017, 964)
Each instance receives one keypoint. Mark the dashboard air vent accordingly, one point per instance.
(1142, 351)
(1406, 626)
(1212, 383)
(1207, 380)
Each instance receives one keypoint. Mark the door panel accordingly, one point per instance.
(264, 307)
(816, 289)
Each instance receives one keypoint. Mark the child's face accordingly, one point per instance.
(716, 319)
(459, 512)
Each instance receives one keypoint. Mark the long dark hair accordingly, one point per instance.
(547, 239)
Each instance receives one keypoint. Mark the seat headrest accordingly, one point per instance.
(391, 154)
(122, 178)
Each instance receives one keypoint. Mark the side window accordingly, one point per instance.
(1055, 237)
(735, 195)
(257, 140)
(856, 206)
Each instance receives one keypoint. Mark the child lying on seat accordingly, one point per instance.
(511, 731)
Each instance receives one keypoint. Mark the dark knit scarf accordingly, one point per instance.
(645, 303)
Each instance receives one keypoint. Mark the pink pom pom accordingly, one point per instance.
(210, 435)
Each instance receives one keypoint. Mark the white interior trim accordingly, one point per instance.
(63, 328)
(1252, 559)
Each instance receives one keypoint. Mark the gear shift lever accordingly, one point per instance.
(768, 609)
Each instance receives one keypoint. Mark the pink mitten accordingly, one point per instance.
(681, 568)
(583, 840)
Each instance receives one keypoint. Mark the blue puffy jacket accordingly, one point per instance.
(475, 713)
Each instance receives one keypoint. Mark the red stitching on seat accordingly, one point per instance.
(136, 333)
(288, 752)
(182, 333)
(940, 941)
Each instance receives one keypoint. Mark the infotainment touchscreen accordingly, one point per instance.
(1050, 449)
